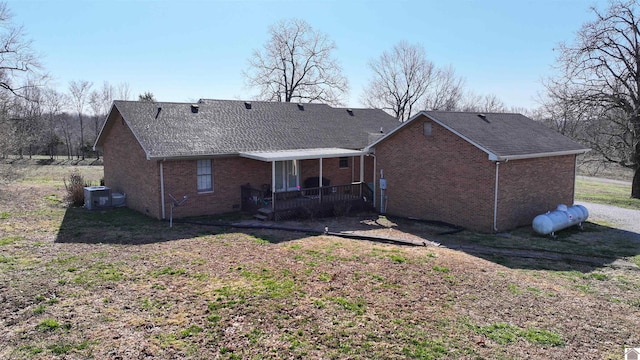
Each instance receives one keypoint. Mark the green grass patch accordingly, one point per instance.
(48, 325)
(190, 331)
(542, 337)
(358, 306)
(263, 240)
(606, 193)
(98, 272)
(398, 259)
(442, 269)
(425, 349)
(168, 271)
(39, 310)
(514, 289)
(504, 334)
(4, 215)
(31, 350)
(10, 240)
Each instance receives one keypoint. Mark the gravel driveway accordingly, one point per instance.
(623, 219)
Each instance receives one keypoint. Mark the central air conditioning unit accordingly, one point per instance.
(97, 197)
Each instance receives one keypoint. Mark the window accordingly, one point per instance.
(427, 129)
(344, 162)
(205, 176)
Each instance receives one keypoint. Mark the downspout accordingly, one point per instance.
(375, 168)
(495, 200)
(575, 166)
(162, 188)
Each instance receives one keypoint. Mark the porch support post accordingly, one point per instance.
(361, 174)
(361, 168)
(320, 182)
(273, 186)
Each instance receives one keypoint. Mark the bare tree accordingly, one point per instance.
(446, 91)
(19, 64)
(400, 79)
(7, 127)
(79, 91)
(27, 114)
(53, 103)
(482, 103)
(601, 69)
(296, 64)
(124, 92)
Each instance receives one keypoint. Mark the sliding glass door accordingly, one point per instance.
(287, 175)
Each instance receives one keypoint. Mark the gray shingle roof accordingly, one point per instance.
(505, 135)
(229, 127)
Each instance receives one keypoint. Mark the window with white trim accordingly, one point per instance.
(205, 176)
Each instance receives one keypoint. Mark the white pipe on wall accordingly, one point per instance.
(495, 200)
(162, 188)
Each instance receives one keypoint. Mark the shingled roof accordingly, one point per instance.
(230, 127)
(503, 136)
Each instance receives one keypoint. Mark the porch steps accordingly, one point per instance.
(264, 214)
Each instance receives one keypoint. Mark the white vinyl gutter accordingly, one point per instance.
(495, 199)
(162, 188)
(494, 157)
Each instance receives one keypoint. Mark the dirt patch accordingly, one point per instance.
(114, 284)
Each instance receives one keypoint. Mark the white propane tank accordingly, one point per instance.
(561, 218)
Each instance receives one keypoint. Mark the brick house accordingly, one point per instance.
(227, 155)
(487, 172)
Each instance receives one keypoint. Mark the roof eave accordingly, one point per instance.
(96, 144)
(302, 154)
(190, 157)
(494, 157)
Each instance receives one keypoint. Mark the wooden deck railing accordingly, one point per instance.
(309, 201)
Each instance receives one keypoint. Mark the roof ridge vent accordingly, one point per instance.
(300, 107)
(195, 108)
(350, 111)
(247, 105)
(484, 117)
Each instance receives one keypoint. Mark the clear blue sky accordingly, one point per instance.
(186, 50)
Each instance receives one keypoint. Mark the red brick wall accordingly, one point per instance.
(331, 170)
(126, 169)
(440, 177)
(533, 186)
(443, 177)
(180, 178)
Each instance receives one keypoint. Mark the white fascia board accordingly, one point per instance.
(104, 124)
(301, 154)
(494, 157)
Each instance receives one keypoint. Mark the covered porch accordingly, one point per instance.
(322, 192)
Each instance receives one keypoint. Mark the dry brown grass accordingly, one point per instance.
(114, 284)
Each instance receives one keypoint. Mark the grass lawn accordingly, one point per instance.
(115, 284)
(600, 192)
